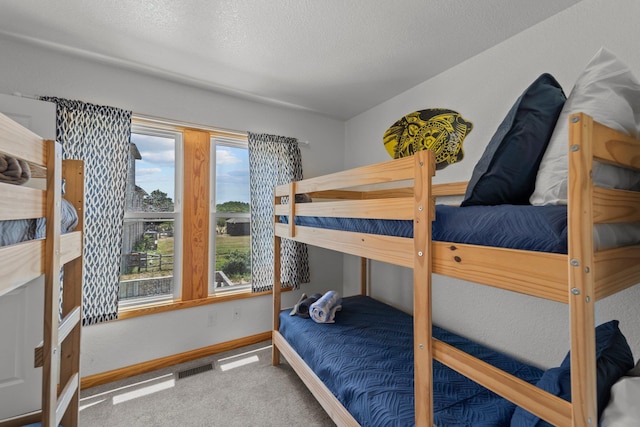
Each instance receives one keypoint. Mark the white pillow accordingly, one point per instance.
(623, 409)
(608, 92)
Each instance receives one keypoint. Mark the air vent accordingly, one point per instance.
(194, 371)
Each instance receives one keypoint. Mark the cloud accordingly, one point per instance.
(163, 157)
(224, 157)
(148, 171)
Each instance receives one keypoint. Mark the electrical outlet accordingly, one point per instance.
(236, 313)
(211, 318)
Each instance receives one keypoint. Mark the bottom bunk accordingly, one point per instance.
(365, 359)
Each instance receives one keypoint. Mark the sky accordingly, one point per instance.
(156, 169)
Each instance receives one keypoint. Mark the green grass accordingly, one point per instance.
(225, 244)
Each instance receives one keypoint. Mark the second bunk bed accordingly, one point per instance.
(42, 234)
(435, 376)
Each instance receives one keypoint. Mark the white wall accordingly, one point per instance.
(483, 89)
(33, 70)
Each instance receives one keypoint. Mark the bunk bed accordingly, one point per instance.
(53, 252)
(578, 275)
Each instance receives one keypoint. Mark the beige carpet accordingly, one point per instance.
(239, 388)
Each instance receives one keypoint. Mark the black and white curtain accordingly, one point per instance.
(273, 160)
(100, 136)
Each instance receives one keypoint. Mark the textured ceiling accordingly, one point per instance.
(335, 57)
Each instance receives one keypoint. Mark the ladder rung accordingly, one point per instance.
(68, 323)
(65, 397)
(38, 360)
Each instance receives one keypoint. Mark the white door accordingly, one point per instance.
(21, 310)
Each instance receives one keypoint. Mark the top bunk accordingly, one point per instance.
(399, 192)
(31, 189)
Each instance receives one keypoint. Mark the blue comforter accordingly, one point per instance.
(533, 228)
(366, 360)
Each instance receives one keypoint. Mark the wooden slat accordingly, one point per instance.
(401, 208)
(394, 250)
(395, 170)
(615, 205)
(38, 357)
(20, 202)
(195, 226)
(20, 263)
(70, 388)
(323, 395)
(547, 406)
(539, 274)
(437, 190)
(336, 194)
(70, 246)
(450, 189)
(18, 141)
(615, 147)
(425, 168)
(581, 280)
(616, 270)
(68, 323)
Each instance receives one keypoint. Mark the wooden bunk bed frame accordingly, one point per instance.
(59, 353)
(578, 279)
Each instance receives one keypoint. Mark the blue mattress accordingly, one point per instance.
(366, 360)
(533, 228)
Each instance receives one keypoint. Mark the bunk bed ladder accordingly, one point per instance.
(61, 341)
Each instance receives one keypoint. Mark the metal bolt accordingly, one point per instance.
(419, 253)
(421, 163)
(421, 346)
(586, 269)
(420, 208)
(575, 119)
(588, 299)
(575, 147)
(575, 262)
(575, 291)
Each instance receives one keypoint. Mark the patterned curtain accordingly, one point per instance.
(100, 136)
(273, 160)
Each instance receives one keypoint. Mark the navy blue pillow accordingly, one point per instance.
(506, 172)
(613, 360)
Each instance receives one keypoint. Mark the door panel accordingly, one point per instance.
(21, 311)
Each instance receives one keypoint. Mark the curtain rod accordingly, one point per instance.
(22, 95)
(158, 120)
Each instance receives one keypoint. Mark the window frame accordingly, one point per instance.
(239, 141)
(176, 215)
(178, 303)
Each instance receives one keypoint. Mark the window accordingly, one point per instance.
(186, 234)
(150, 260)
(230, 242)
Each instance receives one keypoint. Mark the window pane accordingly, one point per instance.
(147, 260)
(146, 270)
(233, 240)
(151, 181)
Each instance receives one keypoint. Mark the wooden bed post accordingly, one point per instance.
(424, 169)
(275, 353)
(363, 276)
(581, 275)
(72, 291)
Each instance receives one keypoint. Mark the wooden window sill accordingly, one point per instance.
(161, 307)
